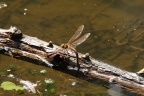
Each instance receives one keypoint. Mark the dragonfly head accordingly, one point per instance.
(65, 46)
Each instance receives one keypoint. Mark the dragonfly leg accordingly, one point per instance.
(77, 57)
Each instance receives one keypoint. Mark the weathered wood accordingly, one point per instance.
(18, 45)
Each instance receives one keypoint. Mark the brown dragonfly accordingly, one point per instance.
(72, 44)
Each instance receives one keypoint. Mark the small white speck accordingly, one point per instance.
(73, 83)
(62, 95)
(134, 29)
(43, 71)
(113, 27)
(136, 56)
(11, 76)
(123, 26)
(95, 36)
(108, 40)
(24, 13)
(46, 90)
(8, 70)
(25, 9)
(49, 81)
(118, 30)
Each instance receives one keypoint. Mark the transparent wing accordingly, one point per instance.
(80, 40)
(76, 34)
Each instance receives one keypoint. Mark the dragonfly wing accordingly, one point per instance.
(80, 40)
(76, 34)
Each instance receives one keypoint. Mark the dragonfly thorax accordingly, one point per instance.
(65, 46)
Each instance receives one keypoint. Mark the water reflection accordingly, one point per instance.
(114, 90)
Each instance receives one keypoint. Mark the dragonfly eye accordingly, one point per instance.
(62, 45)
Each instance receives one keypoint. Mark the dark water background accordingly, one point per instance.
(116, 28)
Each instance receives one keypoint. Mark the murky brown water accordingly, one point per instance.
(116, 37)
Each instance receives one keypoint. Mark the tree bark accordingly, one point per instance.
(18, 45)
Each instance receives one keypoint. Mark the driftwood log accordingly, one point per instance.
(15, 44)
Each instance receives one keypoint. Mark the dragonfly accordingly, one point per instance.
(74, 42)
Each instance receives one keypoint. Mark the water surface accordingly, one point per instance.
(116, 37)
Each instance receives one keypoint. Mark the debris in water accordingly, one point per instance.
(24, 13)
(43, 71)
(49, 81)
(25, 9)
(29, 86)
(73, 83)
(11, 76)
(8, 70)
(2, 5)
